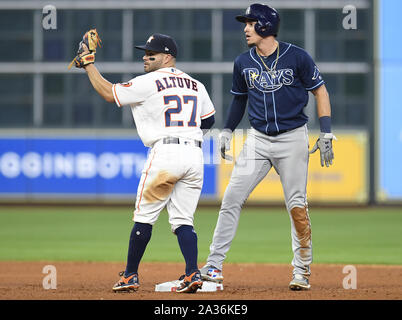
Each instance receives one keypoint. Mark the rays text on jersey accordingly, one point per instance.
(175, 82)
(266, 82)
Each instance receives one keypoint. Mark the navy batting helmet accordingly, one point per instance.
(267, 19)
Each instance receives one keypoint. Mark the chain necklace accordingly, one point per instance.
(270, 71)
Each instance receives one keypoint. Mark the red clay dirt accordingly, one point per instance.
(93, 281)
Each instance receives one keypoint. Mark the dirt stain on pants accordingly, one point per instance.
(160, 187)
(302, 225)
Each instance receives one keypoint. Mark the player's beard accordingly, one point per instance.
(152, 66)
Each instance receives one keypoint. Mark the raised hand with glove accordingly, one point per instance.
(87, 49)
(85, 59)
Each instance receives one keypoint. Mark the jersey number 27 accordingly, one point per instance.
(178, 109)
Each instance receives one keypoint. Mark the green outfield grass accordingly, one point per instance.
(366, 236)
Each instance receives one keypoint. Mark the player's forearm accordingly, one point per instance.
(100, 84)
(323, 103)
(236, 112)
(323, 108)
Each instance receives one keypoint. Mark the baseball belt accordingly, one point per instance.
(276, 133)
(173, 140)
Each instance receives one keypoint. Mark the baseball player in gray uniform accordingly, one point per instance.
(274, 77)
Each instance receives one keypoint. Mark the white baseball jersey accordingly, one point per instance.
(166, 102)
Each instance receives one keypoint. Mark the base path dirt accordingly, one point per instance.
(93, 281)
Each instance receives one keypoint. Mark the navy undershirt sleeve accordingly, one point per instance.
(236, 111)
(208, 122)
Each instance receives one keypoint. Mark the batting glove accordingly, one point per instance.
(324, 143)
(225, 137)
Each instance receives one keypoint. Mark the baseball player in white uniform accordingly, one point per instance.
(170, 110)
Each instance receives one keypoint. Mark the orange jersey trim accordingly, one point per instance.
(126, 84)
(143, 184)
(175, 74)
(208, 114)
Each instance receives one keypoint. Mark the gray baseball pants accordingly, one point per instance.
(288, 154)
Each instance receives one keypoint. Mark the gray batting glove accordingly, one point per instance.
(224, 139)
(324, 143)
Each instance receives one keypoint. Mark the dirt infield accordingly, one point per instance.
(93, 281)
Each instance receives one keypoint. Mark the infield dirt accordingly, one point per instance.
(94, 280)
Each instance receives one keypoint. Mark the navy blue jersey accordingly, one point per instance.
(276, 102)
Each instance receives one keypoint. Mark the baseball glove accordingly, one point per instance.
(92, 41)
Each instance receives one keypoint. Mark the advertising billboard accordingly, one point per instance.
(345, 181)
(76, 167)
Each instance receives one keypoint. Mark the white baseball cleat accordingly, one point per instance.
(210, 273)
(299, 282)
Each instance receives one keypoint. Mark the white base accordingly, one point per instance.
(170, 286)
